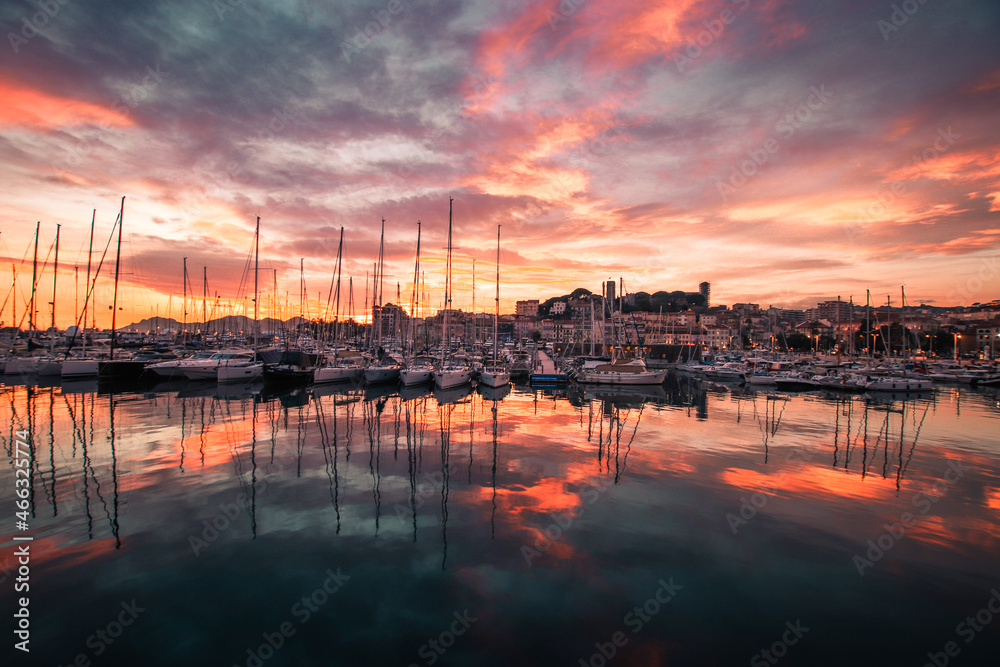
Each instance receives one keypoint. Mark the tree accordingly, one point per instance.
(536, 335)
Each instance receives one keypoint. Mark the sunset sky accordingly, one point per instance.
(785, 151)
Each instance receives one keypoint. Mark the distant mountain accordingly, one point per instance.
(228, 323)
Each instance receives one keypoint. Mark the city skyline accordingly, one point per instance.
(783, 152)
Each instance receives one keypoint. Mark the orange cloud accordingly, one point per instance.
(989, 82)
(966, 166)
(28, 107)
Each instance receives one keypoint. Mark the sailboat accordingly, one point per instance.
(245, 367)
(118, 369)
(451, 372)
(621, 370)
(338, 370)
(417, 370)
(384, 369)
(496, 374)
(82, 366)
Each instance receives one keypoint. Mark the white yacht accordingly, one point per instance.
(622, 371)
(208, 369)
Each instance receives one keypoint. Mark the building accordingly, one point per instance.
(527, 308)
(986, 338)
(831, 310)
(558, 308)
(523, 329)
(609, 291)
(705, 289)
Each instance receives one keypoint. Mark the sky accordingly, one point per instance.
(785, 151)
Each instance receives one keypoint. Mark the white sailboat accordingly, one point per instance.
(417, 370)
(385, 368)
(243, 368)
(496, 373)
(621, 371)
(451, 372)
(343, 366)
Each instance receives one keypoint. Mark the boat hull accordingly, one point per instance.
(448, 379)
(120, 369)
(380, 374)
(899, 385)
(246, 373)
(494, 378)
(336, 374)
(79, 368)
(612, 378)
(412, 377)
(201, 372)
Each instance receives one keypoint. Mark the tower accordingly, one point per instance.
(704, 289)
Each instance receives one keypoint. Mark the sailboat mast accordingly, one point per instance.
(902, 307)
(838, 330)
(34, 277)
(413, 299)
(256, 256)
(55, 277)
(380, 286)
(851, 311)
(184, 279)
(204, 302)
(870, 341)
(496, 314)
(118, 260)
(888, 325)
(447, 288)
(475, 327)
(340, 255)
(86, 300)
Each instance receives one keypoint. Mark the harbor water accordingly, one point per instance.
(688, 524)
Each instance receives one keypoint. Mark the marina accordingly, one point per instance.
(500, 334)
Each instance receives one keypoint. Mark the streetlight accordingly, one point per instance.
(957, 337)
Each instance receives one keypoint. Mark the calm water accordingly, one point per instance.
(344, 527)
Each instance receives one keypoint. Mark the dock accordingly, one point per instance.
(544, 370)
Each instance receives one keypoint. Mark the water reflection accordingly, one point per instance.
(123, 478)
